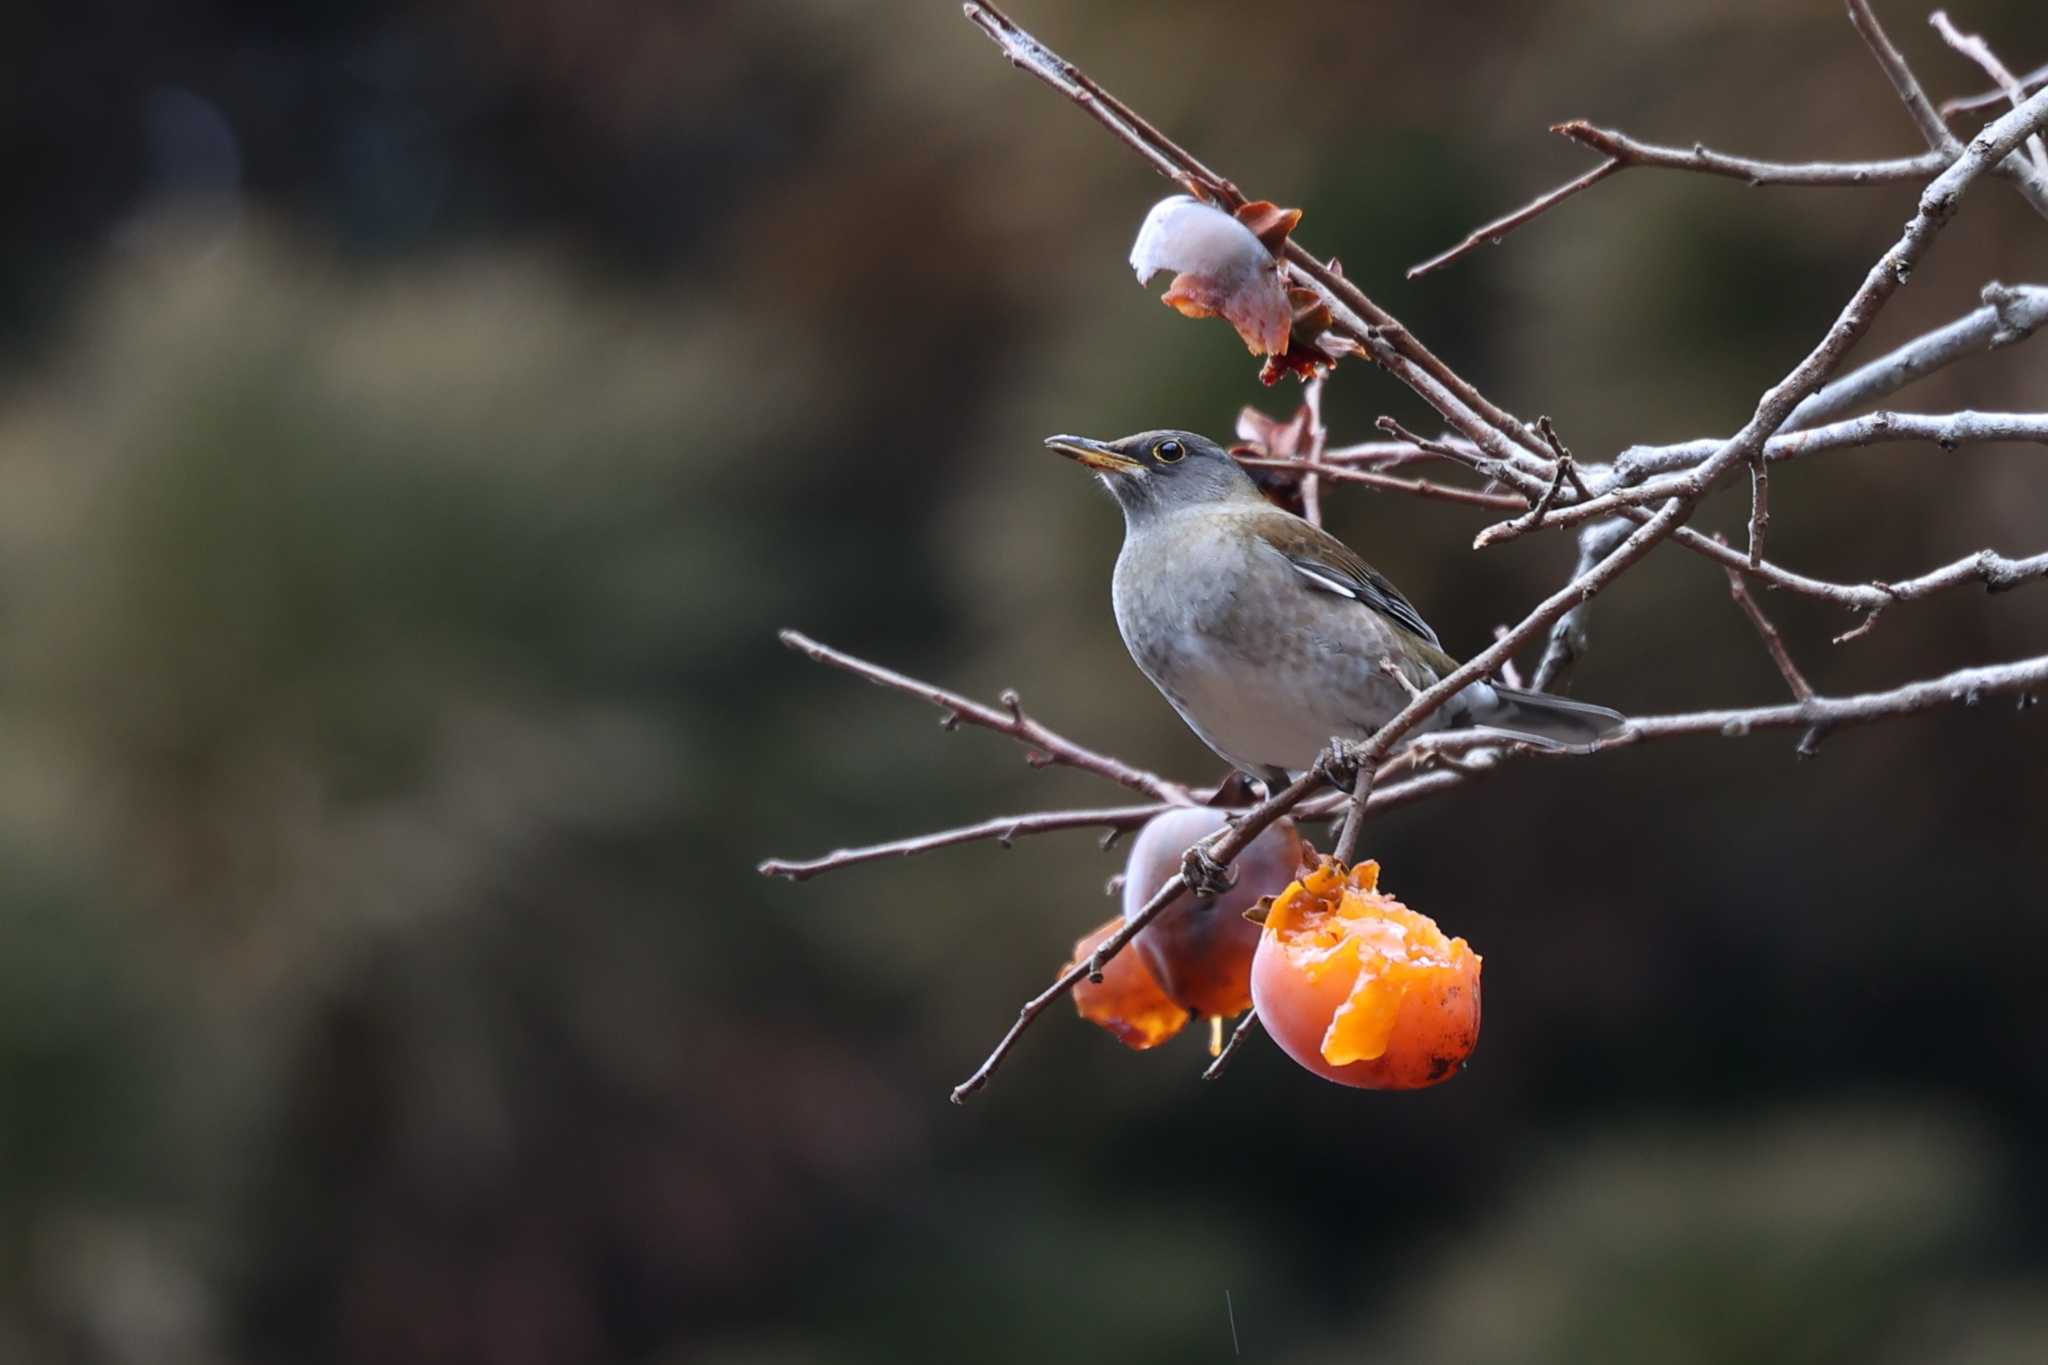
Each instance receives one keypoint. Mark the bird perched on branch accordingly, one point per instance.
(1266, 633)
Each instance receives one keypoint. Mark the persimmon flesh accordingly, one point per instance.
(1128, 1001)
(1360, 989)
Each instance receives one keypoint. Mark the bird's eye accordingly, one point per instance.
(1169, 452)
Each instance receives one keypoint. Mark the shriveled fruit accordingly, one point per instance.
(1200, 952)
(1362, 990)
(1127, 1001)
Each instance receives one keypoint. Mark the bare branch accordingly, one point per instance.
(1973, 46)
(1245, 1028)
(1003, 828)
(1370, 327)
(1968, 104)
(1049, 747)
(1491, 234)
(2010, 314)
(2033, 186)
(1388, 483)
(1774, 643)
(1946, 430)
(1623, 151)
(1937, 205)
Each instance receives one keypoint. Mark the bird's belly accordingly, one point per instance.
(1265, 673)
(1277, 712)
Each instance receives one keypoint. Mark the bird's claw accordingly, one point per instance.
(1340, 763)
(1203, 874)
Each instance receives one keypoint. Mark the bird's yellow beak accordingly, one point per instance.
(1094, 454)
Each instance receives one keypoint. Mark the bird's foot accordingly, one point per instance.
(1203, 874)
(1340, 762)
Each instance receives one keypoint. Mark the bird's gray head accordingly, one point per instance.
(1155, 472)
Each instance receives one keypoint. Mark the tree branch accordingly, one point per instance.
(1974, 47)
(1002, 828)
(1047, 746)
(2032, 186)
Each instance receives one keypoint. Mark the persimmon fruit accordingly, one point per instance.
(1127, 1001)
(1200, 952)
(1359, 988)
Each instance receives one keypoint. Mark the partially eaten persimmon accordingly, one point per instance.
(1128, 1001)
(1360, 989)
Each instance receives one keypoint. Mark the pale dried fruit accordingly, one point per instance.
(1360, 989)
(1221, 267)
(1200, 952)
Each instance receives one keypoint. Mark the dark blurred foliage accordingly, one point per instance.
(417, 421)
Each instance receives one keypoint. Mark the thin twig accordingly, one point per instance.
(1973, 46)
(1937, 205)
(1774, 643)
(1389, 483)
(1490, 234)
(1003, 828)
(1623, 151)
(1043, 746)
(1245, 1028)
(2033, 186)
(1968, 104)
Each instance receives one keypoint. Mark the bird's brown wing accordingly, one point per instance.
(1327, 564)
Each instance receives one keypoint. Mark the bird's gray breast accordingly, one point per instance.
(1264, 669)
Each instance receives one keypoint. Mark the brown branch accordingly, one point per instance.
(1491, 234)
(1003, 828)
(1623, 152)
(1245, 1028)
(1774, 643)
(1370, 327)
(1043, 746)
(1423, 488)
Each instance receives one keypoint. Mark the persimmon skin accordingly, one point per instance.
(1127, 1002)
(1202, 954)
(1417, 1008)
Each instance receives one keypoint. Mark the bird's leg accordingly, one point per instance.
(1204, 875)
(1339, 764)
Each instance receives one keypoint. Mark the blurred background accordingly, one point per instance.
(415, 423)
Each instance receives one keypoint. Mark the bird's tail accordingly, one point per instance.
(1554, 722)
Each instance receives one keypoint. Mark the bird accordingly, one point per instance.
(1271, 637)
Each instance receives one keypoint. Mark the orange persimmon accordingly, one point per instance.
(1127, 1001)
(1362, 990)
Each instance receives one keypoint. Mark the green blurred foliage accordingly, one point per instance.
(417, 422)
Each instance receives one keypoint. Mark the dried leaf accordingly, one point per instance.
(1269, 223)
